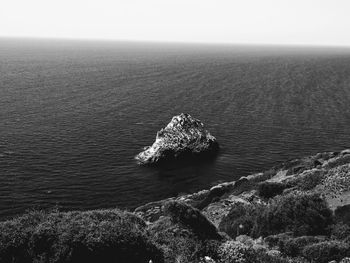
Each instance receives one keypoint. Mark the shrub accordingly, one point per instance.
(192, 218)
(341, 231)
(270, 257)
(233, 251)
(240, 220)
(300, 213)
(326, 251)
(93, 236)
(181, 244)
(293, 246)
(270, 189)
(342, 214)
(308, 180)
(277, 240)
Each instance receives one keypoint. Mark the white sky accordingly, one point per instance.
(314, 22)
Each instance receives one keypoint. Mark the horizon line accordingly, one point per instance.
(180, 42)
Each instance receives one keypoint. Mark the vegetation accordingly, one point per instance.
(294, 246)
(232, 251)
(308, 180)
(241, 219)
(270, 189)
(192, 218)
(301, 213)
(94, 236)
(341, 231)
(261, 222)
(326, 251)
(183, 234)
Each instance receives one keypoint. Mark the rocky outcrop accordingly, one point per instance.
(184, 138)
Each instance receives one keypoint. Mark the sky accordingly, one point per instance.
(291, 22)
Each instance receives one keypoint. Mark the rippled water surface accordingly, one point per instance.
(74, 114)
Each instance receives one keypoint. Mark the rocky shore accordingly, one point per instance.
(296, 212)
(216, 202)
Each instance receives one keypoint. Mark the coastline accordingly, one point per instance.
(216, 201)
(296, 212)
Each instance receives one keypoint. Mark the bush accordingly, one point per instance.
(270, 189)
(326, 251)
(300, 213)
(293, 246)
(341, 231)
(277, 240)
(181, 244)
(240, 220)
(233, 251)
(309, 179)
(342, 214)
(192, 218)
(93, 236)
(270, 257)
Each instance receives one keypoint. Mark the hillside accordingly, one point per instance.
(298, 211)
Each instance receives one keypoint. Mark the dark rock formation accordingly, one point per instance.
(183, 138)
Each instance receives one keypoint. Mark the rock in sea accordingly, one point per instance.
(183, 139)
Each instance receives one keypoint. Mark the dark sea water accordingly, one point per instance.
(74, 114)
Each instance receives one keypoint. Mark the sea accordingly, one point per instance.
(74, 113)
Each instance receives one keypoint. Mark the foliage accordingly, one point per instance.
(192, 218)
(342, 214)
(94, 236)
(240, 220)
(278, 239)
(308, 180)
(293, 246)
(270, 189)
(326, 251)
(179, 243)
(233, 251)
(336, 181)
(341, 231)
(300, 213)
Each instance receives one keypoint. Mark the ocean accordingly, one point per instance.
(73, 114)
